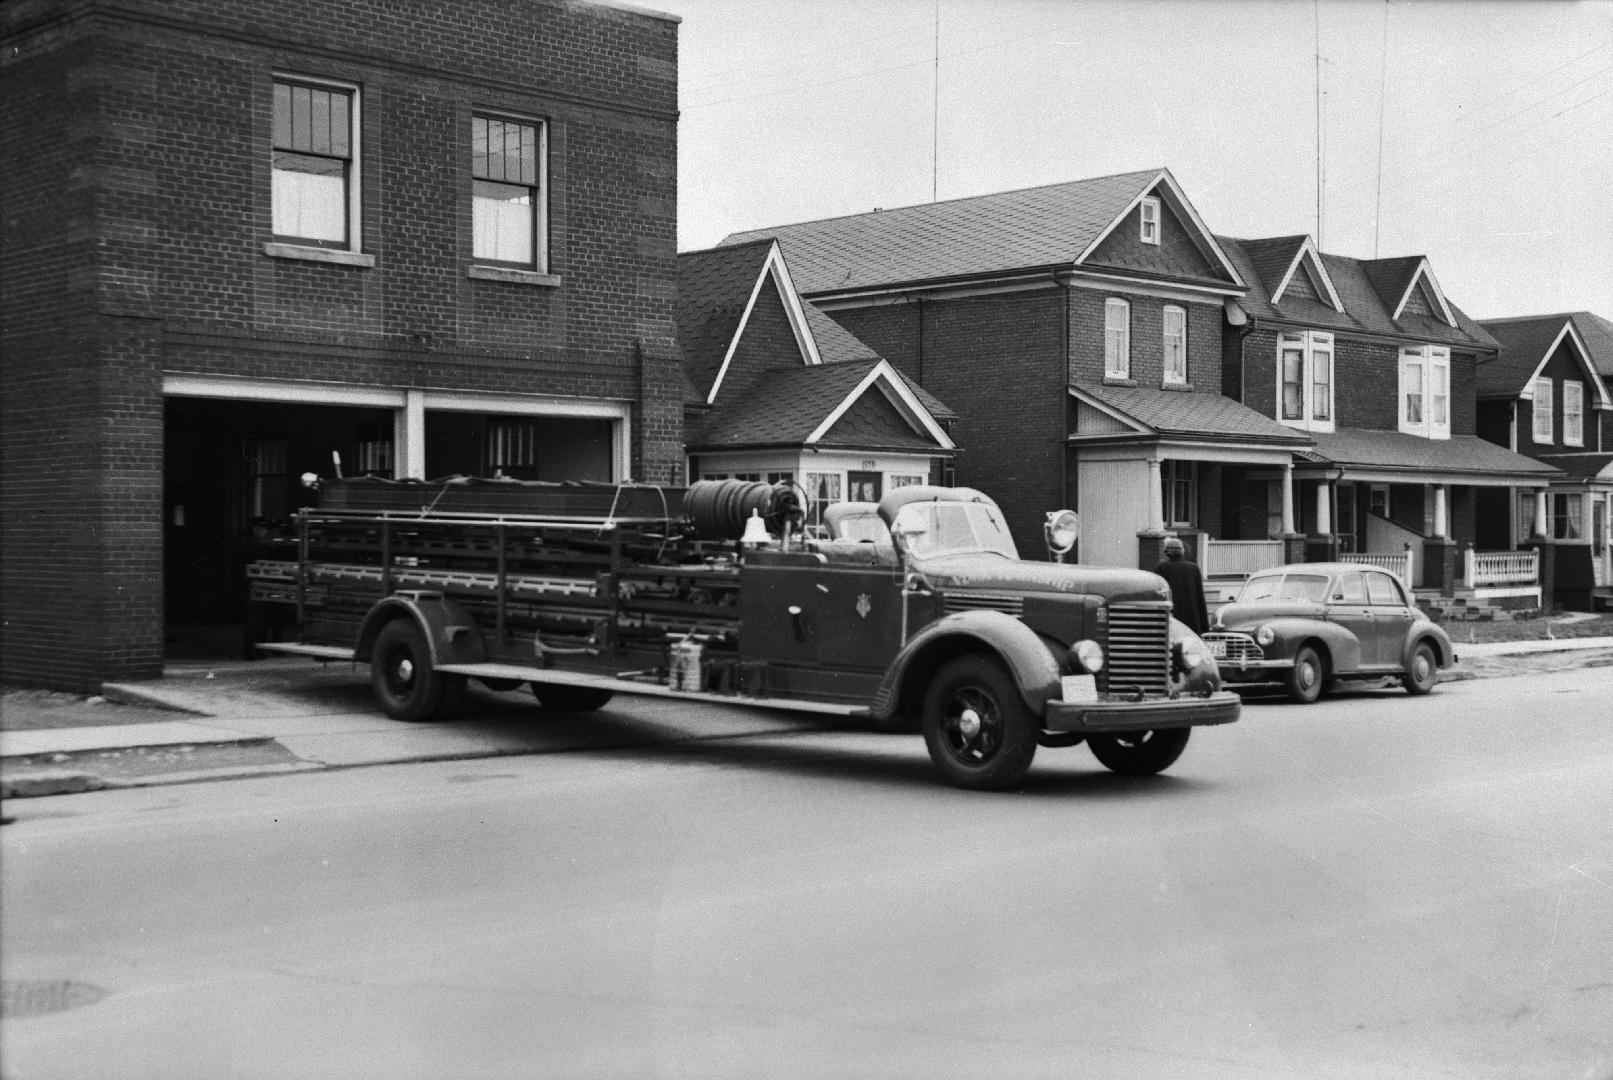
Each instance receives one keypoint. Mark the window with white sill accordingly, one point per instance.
(314, 196)
(1116, 339)
(1542, 410)
(508, 201)
(1174, 321)
(1425, 391)
(1305, 378)
(1573, 414)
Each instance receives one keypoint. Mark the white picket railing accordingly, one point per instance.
(1238, 558)
(1401, 566)
(1483, 569)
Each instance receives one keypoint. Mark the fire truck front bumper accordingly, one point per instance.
(1221, 707)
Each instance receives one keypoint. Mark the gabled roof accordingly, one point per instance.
(1277, 261)
(1526, 346)
(1595, 334)
(716, 289)
(1034, 229)
(1352, 283)
(820, 400)
(1148, 410)
(1586, 466)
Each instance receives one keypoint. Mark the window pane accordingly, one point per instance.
(302, 123)
(1412, 380)
(341, 124)
(1322, 385)
(309, 198)
(1293, 384)
(529, 155)
(319, 123)
(282, 115)
(478, 146)
(502, 216)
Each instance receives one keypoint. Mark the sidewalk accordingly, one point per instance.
(208, 721)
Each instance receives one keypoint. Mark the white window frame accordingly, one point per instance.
(1526, 516)
(1432, 384)
(1573, 413)
(539, 262)
(1179, 476)
(1148, 229)
(1317, 408)
(1116, 339)
(355, 166)
(1174, 345)
(1541, 408)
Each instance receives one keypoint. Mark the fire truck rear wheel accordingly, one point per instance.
(405, 684)
(979, 731)
(556, 697)
(1140, 753)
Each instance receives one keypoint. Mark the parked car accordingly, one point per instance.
(1311, 625)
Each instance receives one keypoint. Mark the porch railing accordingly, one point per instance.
(1401, 566)
(1484, 569)
(1238, 558)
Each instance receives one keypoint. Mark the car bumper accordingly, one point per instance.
(1221, 707)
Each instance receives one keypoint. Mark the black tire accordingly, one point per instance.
(405, 684)
(558, 697)
(1307, 677)
(1140, 753)
(980, 734)
(500, 686)
(1423, 671)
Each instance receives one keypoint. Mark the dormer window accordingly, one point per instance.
(1148, 216)
(1425, 391)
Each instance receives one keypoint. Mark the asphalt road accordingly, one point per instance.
(1376, 886)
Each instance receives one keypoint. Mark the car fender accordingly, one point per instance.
(451, 634)
(1344, 649)
(1434, 634)
(1034, 667)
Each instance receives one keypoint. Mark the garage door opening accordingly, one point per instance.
(231, 481)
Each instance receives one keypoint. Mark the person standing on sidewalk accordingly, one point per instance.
(1187, 586)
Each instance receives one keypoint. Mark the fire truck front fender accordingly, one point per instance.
(1032, 664)
(451, 634)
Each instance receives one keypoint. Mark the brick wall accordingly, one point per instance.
(996, 361)
(1086, 335)
(135, 219)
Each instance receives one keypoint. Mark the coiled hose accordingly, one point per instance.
(719, 509)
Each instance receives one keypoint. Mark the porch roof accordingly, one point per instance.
(1188, 414)
(1584, 466)
(1397, 457)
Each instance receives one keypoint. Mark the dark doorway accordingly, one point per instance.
(231, 481)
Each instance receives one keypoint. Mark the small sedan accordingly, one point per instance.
(1312, 625)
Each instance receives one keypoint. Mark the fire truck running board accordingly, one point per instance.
(318, 652)
(645, 689)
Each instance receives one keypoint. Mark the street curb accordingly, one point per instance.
(127, 694)
(50, 782)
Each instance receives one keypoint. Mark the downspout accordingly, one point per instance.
(1064, 401)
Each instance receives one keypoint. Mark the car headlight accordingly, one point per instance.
(1087, 656)
(1265, 635)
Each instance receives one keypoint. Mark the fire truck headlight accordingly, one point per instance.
(1063, 529)
(1193, 669)
(1086, 656)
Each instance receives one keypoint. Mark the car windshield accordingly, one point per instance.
(1298, 587)
(934, 529)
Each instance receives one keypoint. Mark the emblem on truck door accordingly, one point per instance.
(863, 606)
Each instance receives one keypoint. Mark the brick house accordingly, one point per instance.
(780, 392)
(243, 242)
(1374, 363)
(1076, 328)
(1546, 394)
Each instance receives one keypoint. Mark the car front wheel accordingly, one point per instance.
(1423, 671)
(979, 731)
(1307, 677)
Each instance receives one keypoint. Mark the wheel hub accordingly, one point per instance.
(969, 724)
(404, 670)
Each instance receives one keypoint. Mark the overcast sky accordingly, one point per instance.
(1476, 132)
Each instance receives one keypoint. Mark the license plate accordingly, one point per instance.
(1218, 649)
(1080, 689)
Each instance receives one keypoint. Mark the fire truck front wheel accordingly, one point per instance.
(555, 697)
(406, 685)
(1139, 753)
(979, 731)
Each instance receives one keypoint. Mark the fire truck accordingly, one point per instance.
(912, 614)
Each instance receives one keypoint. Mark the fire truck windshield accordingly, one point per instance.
(933, 530)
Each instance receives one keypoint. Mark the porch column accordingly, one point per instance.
(1324, 508)
(1323, 546)
(1156, 498)
(409, 435)
(1442, 526)
(1542, 509)
(1288, 499)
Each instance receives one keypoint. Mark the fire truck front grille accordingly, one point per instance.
(978, 601)
(1139, 650)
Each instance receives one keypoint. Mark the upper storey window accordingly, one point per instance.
(1148, 218)
(1175, 344)
(1117, 339)
(508, 201)
(1305, 380)
(315, 196)
(1543, 432)
(1425, 391)
(1573, 413)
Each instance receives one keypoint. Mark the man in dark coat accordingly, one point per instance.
(1187, 586)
